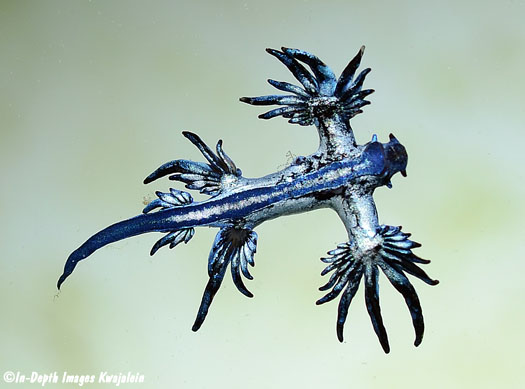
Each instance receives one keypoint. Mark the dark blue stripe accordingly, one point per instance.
(283, 191)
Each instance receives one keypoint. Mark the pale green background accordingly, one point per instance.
(93, 97)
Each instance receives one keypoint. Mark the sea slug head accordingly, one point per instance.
(396, 157)
(383, 160)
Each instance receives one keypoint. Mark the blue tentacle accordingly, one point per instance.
(206, 178)
(323, 97)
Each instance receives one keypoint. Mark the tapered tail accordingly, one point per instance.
(168, 204)
(137, 225)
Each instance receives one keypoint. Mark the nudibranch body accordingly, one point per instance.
(341, 175)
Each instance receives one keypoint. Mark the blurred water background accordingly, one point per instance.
(94, 96)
